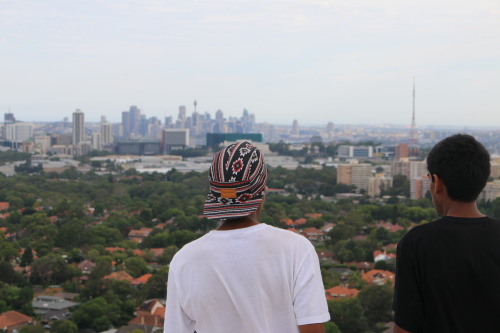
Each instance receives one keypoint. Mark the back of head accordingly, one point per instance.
(463, 164)
(237, 177)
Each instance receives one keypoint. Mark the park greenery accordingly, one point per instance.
(57, 220)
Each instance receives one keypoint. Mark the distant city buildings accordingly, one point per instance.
(370, 168)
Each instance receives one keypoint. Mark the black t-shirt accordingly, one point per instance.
(448, 277)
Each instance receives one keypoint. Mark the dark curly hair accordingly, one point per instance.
(463, 164)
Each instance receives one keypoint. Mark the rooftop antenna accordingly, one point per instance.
(195, 103)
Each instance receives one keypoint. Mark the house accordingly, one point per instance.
(339, 292)
(141, 279)
(150, 313)
(300, 221)
(86, 266)
(12, 321)
(389, 226)
(120, 275)
(157, 251)
(139, 253)
(139, 234)
(328, 227)
(379, 277)
(382, 255)
(114, 249)
(314, 215)
(4, 205)
(325, 255)
(287, 222)
(363, 266)
(314, 234)
(43, 304)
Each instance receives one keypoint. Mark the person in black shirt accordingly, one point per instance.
(448, 271)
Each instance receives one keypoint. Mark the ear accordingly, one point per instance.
(439, 186)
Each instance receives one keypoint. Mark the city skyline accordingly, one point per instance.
(314, 61)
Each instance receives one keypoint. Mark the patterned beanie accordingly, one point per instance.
(238, 177)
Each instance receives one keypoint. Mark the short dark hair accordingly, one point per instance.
(463, 164)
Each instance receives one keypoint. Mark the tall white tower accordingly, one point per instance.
(78, 127)
(413, 146)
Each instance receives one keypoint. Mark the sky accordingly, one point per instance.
(348, 62)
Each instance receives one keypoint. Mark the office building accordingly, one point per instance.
(106, 133)
(401, 167)
(419, 187)
(401, 151)
(355, 151)
(356, 174)
(78, 126)
(377, 183)
(18, 132)
(175, 139)
(215, 139)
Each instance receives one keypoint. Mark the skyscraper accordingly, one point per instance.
(78, 127)
(106, 133)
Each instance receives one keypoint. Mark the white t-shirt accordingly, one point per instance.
(259, 279)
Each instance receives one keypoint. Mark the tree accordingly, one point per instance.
(377, 303)
(32, 329)
(27, 257)
(348, 315)
(50, 269)
(64, 326)
(96, 314)
(9, 275)
(331, 327)
(136, 266)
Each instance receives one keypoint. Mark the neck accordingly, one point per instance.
(239, 223)
(461, 209)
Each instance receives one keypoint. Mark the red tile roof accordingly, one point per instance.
(341, 292)
(120, 275)
(142, 279)
(378, 276)
(114, 249)
(4, 205)
(13, 318)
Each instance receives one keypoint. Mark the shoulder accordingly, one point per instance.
(286, 236)
(422, 232)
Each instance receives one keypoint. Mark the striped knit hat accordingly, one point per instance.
(238, 177)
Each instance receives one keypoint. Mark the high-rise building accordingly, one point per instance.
(418, 169)
(375, 184)
(9, 118)
(419, 187)
(96, 141)
(401, 151)
(295, 127)
(106, 133)
(355, 174)
(181, 118)
(78, 127)
(401, 167)
(126, 124)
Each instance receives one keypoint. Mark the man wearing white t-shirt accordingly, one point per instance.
(245, 276)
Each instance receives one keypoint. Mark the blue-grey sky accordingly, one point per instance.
(311, 60)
